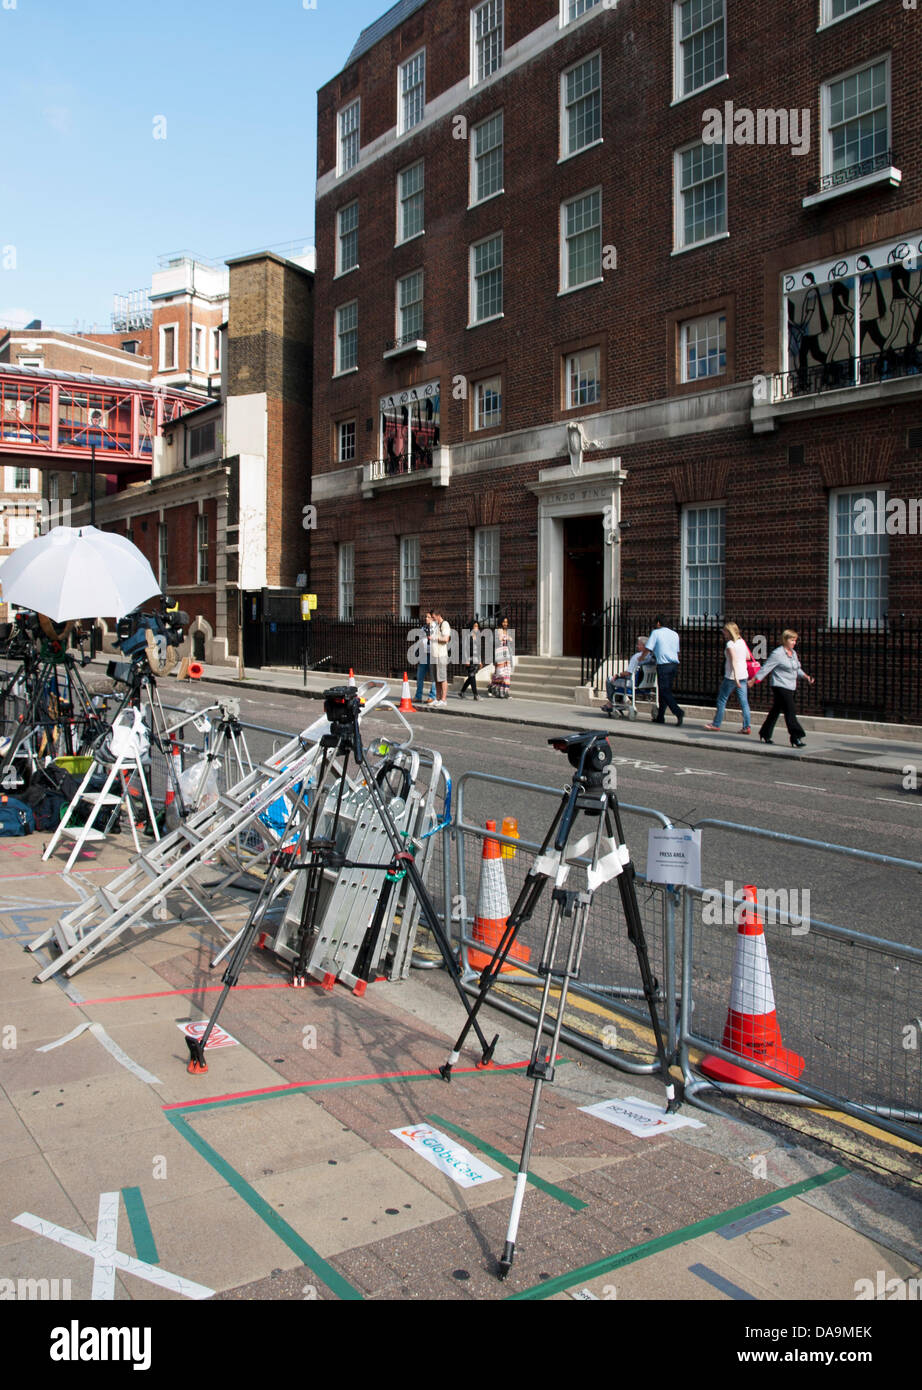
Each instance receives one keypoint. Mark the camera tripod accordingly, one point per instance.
(45, 698)
(139, 681)
(590, 792)
(341, 706)
(229, 742)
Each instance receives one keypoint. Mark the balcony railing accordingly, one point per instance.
(847, 372)
(851, 173)
(411, 342)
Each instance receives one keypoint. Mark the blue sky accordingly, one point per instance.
(89, 198)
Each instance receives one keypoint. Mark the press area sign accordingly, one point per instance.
(674, 856)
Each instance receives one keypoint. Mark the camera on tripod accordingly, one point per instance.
(139, 634)
(589, 753)
(341, 705)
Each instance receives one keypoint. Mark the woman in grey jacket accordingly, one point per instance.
(785, 669)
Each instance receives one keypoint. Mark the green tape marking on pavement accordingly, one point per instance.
(144, 1243)
(576, 1203)
(685, 1233)
(305, 1253)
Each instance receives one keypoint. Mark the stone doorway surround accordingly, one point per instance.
(582, 487)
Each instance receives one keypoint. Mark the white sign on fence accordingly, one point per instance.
(674, 856)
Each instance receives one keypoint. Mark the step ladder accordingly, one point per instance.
(140, 891)
(127, 769)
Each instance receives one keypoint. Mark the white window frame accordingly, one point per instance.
(198, 347)
(487, 574)
(566, 152)
(53, 487)
(341, 444)
(573, 358)
(680, 92)
(338, 368)
(475, 195)
(344, 161)
(473, 278)
(345, 573)
(827, 17)
(404, 198)
(478, 77)
(565, 285)
(412, 108)
(400, 308)
(697, 507)
(216, 350)
(163, 555)
(17, 486)
(836, 604)
(409, 577)
(201, 548)
(719, 318)
(678, 199)
(164, 329)
(493, 384)
(583, 6)
(826, 156)
(31, 362)
(342, 269)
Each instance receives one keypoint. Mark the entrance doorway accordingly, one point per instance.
(583, 584)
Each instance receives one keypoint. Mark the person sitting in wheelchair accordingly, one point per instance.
(621, 685)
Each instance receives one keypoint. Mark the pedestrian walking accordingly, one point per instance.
(785, 670)
(663, 646)
(424, 667)
(503, 658)
(474, 662)
(735, 678)
(622, 685)
(440, 643)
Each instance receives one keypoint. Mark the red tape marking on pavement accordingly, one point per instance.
(196, 989)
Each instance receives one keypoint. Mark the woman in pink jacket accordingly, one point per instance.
(735, 678)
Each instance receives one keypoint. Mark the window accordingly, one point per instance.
(581, 106)
(22, 479)
(487, 39)
(410, 196)
(487, 159)
(216, 349)
(409, 576)
(168, 348)
(202, 440)
(859, 558)
(581, 227)
(486, 574)
(583, 380)
(347, 239)
(487, 279)
(348, 139)
(835, 9)
(162, 554)
(345, 441)
(198, 348)
(347, 581)
(703, 547)
(700, 45)
(488, 403)
(412, 96)
(410, 428)
(701, 194)
(347, 338)
(703, 347)
(575, 9)
(410, 307)
(53, 487)
(201, 545)
(856, 118)
(73, 484)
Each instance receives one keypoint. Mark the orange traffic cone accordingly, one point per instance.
(351, 676)
(493, 909)
(752, 1028)
(196, 670)
(406, 704)
(176, 758)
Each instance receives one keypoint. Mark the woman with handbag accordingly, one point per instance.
(736, 676)
(474, 664)
(785, 670)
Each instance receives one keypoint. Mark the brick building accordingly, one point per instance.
(619, 301)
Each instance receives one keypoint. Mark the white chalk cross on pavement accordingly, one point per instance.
(106, 1257)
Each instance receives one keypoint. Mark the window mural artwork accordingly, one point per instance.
(856, 321)
(410, 429)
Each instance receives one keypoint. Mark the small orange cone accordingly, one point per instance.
(196, 670)
(351, 676)
(752, 1027)
(493, 909)
(406, 704)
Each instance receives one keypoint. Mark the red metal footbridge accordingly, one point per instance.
(56, 419)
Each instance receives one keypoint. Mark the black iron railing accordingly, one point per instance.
(845, 372)
(851, 173)
(861, 671)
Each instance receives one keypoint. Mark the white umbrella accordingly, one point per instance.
(78, 573)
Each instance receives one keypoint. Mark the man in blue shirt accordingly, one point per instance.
(663, 646)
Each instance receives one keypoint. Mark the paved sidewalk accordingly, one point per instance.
(278, 1175)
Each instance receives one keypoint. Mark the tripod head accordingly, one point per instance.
(341, 705)
(588, 753)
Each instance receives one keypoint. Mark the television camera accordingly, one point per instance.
(149, 641)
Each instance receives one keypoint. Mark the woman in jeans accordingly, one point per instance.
(735, 678)
(785, 670)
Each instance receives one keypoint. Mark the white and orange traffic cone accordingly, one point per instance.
(752, 1027)
(406, 704)
(173, 779)
(493, 909)
(351, 677)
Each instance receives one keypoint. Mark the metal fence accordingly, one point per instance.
(860, 672)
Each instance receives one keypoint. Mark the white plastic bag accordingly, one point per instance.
(199, 784)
